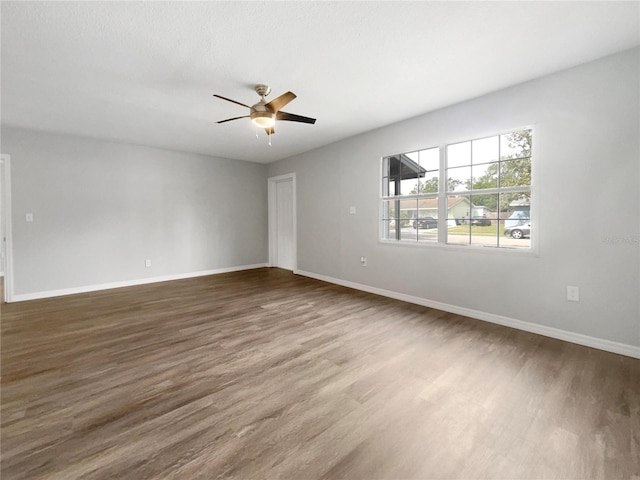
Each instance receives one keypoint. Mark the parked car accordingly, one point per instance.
(481, 221)
(518, 231)
(425, 222)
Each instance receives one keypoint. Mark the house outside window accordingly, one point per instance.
(476, 192)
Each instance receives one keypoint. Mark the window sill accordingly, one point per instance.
(528, 252)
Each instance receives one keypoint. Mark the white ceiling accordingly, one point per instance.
(145, 72)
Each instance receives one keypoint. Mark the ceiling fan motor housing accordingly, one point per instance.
(260, 107)
(263, 90)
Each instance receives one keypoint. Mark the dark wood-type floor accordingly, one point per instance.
(265, 375)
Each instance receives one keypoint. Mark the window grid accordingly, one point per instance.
(487, 178)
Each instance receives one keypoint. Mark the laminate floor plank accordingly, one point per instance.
(263, 374)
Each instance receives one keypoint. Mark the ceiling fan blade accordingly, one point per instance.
(234, 118)
(232, 101)
(294, 118)
(270, 130)
(277, 103)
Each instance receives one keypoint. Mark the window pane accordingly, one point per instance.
(429, 162)
(459, 179)
(430, 159)
(388, 229)
(428, 236)
(387, 209)
(485, 150)
(408, 165)
(408, 211)
(429, 184)
(515, 173)
(408, 187)
(391, 189)
(413, 156)
(428, 207)
(459, 235)
(459, 154)
(515, 206)
(515, 145)
(408, 234)
(516, 229)
(518, 236)
(397, 217)
(485, 208)
(458, 208)
(427, 222)
(458, 224)
(486, 236)
(485, 176)
(410, 173)
(484, 223)
(401, 174)
(515, 223)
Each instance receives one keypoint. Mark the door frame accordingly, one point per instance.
(6, 206)
(272, 216)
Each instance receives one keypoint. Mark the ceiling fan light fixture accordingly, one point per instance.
(264, 115)
(263, 119)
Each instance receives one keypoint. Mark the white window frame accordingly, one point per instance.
(443, 194)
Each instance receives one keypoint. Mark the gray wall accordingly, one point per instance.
(586, 129)
(100, 209)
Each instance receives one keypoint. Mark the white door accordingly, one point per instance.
(282, 225)
(3, 248)
(6, 263)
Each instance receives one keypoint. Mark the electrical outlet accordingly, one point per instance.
(352, 210)
(29, 217)
(573, 293)
(147, 263)
(363, 261)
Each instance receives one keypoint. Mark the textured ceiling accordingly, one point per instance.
(145, 72)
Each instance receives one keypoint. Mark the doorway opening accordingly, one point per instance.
(6, 261)
(282, 222)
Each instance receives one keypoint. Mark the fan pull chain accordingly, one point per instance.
(269, 139)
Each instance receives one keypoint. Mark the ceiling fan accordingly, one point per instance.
(263, 114)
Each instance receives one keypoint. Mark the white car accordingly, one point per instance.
(519, 231)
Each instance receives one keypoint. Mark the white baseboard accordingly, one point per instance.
(585, 340)
(128, 283)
